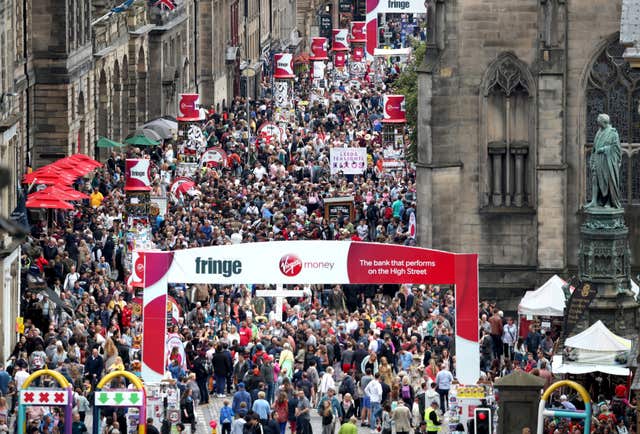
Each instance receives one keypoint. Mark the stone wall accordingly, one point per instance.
(519, 245)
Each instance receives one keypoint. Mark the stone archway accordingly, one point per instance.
(141, 87)
(116, 103)
(102, 109)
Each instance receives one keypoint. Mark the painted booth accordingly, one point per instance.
(120, 398)
(309, 262)
(45, 397)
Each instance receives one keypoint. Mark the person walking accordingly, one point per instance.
(374, 392)
(443, 384)
(401, 417)
(432, 419)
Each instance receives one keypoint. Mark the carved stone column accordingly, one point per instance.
(497, 151)
(519, 150)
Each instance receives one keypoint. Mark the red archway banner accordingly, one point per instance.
(311, 262)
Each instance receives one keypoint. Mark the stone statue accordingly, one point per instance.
(605, 166)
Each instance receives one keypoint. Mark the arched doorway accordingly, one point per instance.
(103, 112)
(116, 105)
(141, 91)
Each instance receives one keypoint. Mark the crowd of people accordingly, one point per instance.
(380, 357)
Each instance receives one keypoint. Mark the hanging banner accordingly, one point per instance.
(310, 262)
(136, 174)
(394, 109)
(340, 40)
(319, 49)
(190, 108)
(281, 94)
(358, 32)
(214, 157)
(375, 7)
(348, 161)
(284, 66)
(340, 59)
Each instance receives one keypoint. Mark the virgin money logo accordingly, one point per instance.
(290, 265)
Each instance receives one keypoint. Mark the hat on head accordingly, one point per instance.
(240, 385)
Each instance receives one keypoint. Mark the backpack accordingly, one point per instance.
(406, 392)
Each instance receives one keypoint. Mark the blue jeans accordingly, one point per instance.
(375, 409)
(220, 381)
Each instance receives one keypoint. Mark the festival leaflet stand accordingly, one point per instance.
(190, 114)
(120, 398)
(46, 397)
(283, 76)
(339, 50)
(393, 125)
(357, 40)
(318, 58)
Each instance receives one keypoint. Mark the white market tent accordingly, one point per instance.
(598, 338)
(548, 300)
(597, 348)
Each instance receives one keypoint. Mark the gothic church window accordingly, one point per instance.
(613, 87)
(508, 113)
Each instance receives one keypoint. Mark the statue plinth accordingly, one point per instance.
(604, 262)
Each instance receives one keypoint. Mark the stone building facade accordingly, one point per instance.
(509, 93)
(73, 71)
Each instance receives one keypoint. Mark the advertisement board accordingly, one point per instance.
(340, 59)
(319, 48)
(190, 108)
(136, 174)
(340, 40)
(283, 66)
(358, 32)
(357, 53)
(310, 262)
(394, 110)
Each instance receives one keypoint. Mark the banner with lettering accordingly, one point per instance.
(307, 263)
(348, 161)
(136, 174)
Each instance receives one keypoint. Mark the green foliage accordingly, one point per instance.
(407, 84)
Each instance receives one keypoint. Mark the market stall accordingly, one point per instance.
(596, 349)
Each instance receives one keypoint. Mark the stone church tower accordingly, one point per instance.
(510, 91)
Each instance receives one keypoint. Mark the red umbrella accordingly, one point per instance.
(48, 203)
(55, 192)
(85, 158)
(78, 195)
(50, 173)
(79, 167)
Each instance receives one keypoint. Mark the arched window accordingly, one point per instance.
(613, 87)
(508, 135)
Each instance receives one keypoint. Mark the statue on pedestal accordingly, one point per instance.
(605, 166)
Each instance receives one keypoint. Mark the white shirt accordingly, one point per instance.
(326, 383)
(374, 391)
(20, 377)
